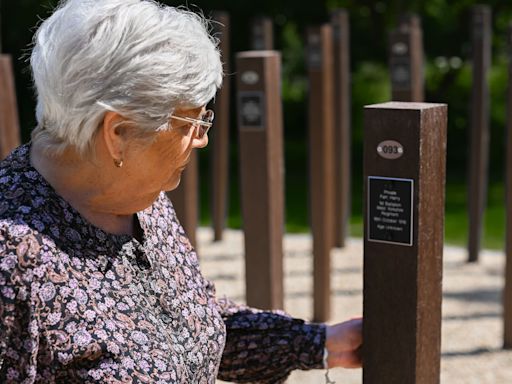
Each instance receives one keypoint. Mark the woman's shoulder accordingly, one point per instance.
(20, 188)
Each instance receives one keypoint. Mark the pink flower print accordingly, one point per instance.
(82, 338)
(8, 263)
(128, 363)
(47, 292)
(54, 318)
(8, 293)
(71, 306)
(139, 337)
(90, 315)
(12, 374)
(113, 348)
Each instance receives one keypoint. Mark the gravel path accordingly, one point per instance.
(472, 323)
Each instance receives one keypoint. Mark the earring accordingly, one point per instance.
(118, 163)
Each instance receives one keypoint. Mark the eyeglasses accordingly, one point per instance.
(204, 123)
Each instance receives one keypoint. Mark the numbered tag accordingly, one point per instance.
(390, 149)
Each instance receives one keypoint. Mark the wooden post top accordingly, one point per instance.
(249, 54)
(404, 105)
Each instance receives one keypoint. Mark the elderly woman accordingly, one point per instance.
(98, 280)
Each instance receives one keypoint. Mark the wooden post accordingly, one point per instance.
(321, 163)
(185, 198)
(260, 123)
(342, 131)
(507, 292)
(406, 60)
(9, 123)
(479, 141)
(262, 34)
(220, 133)
(404, 173)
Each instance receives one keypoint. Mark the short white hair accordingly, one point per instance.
(134, 57)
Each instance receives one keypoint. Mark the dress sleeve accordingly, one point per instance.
(18, 328)
(265, 346)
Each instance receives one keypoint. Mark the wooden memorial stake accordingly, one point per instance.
(321, 163)
(260, 124)
(479, 141)
(507, 293)
(342, 158)
(406, 60)
(220, 133)
(9, 123)
(404, 173)
(185, 198)
(262, 34)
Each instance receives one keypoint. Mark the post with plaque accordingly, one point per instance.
(479, 140)
(321, 163)
(262, 34)
(404, 173)
(342, 130)
(9, 123)
(406, 60)
(220, 132)
(185, 198)
(262, 174)
(507, 292)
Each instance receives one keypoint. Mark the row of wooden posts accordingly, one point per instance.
(404, 173)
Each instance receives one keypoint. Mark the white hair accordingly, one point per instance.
(134, 57)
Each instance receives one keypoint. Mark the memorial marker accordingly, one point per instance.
(185, 198)
(321, 163)
(260, 124)
(479, 140)
(9, 122)
(507, 292)
(220, 133)
(406, 60)
(404, 173)
(262, 34)
(342, 121)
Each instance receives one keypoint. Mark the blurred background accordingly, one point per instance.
(447, 47)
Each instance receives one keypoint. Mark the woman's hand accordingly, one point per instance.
(343, 342)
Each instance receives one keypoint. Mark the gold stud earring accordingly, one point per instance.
(118, 163)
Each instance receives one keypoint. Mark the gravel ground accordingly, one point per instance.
(472, 312)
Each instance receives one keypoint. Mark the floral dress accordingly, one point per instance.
(80, 305)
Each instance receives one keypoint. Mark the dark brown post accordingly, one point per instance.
(507, 292)
(321, 163)
(404, 173)
(220, 133)
(9, 123)
(406, 60)
(185, 198)
(262, 34)
(262, 174)
(479, 141)
(342, 130)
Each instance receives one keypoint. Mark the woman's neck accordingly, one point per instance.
(89, 188)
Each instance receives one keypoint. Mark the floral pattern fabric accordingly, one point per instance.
(80, 305)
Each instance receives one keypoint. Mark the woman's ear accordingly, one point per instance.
(114, 135)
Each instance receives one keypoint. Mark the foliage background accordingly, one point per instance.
(447, 38)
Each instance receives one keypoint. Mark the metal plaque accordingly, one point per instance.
(401, 73)
(314, 51)
(390, 149)
(252, 110)
(390, 210)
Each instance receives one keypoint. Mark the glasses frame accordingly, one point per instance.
(205, 122)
